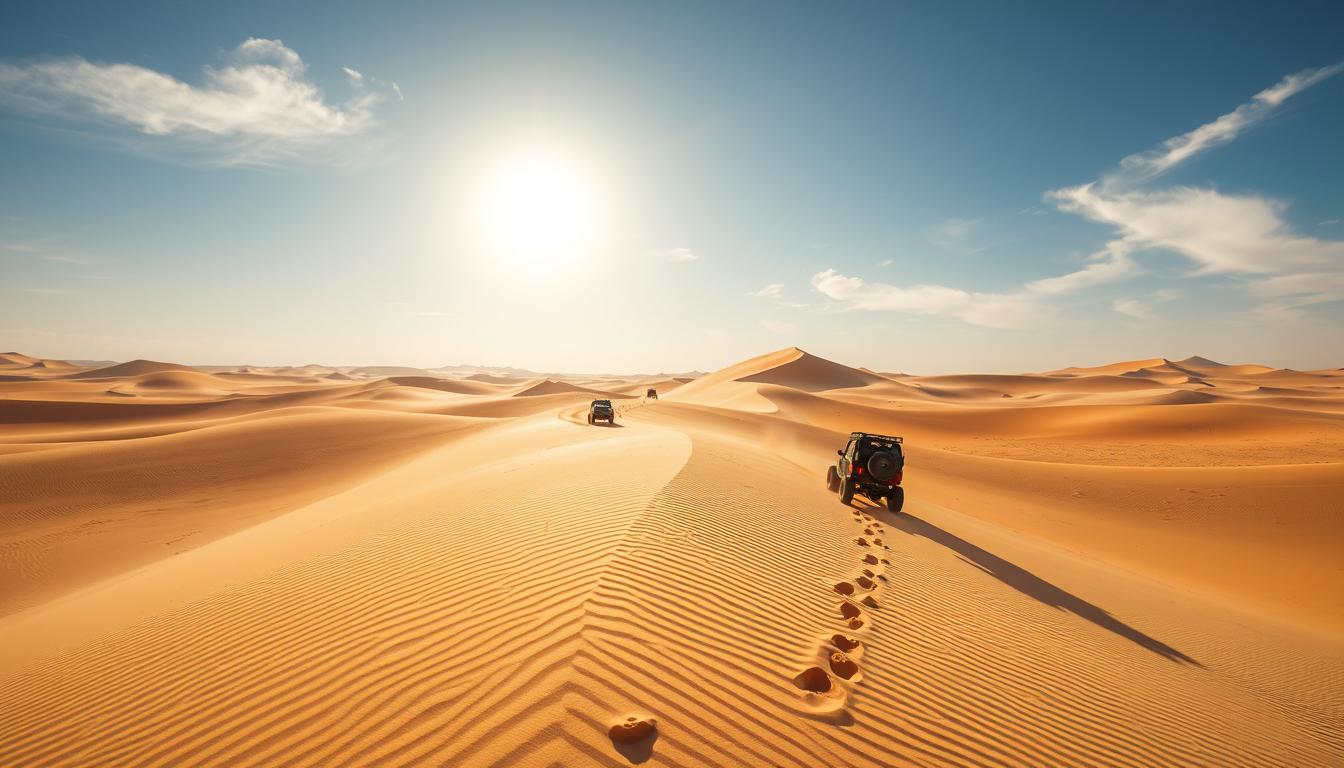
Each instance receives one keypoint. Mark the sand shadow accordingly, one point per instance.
(1030, 584)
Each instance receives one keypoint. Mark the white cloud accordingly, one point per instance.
(779, 326)
(1220, 233)
(1133, 307)
(771, 291)
(951, 234)
(1109, 264)
(1240, 235)
(680, 255)
(994, 310)
(258, 107)
(1224, 129)
(1142, 308)
(433, 313)
(67, 258)
(884, 263)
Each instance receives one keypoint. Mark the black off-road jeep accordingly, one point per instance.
(872, 465)
(652, 394)
(601, 410)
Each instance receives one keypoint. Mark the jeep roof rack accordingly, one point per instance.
(879, 437)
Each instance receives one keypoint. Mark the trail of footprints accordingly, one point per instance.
(826, 685)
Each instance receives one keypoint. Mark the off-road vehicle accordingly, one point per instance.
(652, 394)
(872, 465)
(601, 410)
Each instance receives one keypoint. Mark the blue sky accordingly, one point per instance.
(636, 187)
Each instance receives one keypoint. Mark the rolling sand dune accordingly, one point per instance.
(133, 368)
(1129, 565)
(552, 387)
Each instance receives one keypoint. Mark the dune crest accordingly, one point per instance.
(1129, 564)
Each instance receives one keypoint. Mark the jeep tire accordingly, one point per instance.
(832, 479)
(896, 499)
(846, 490)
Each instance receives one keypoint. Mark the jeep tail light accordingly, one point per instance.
(897, 479)
(858, 470)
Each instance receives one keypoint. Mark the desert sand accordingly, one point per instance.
(1134, 564)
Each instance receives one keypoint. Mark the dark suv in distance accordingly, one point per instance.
(872, 465)
(601, 410)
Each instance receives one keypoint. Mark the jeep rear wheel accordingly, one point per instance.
(832, 479)
(846, 490)
(590, 419)
(896, 499)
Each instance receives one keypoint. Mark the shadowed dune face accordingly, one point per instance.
(1133, 564)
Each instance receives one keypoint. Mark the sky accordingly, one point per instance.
(643, 187)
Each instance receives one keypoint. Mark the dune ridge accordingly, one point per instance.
(1134, 564)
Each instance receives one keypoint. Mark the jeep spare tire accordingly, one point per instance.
(882, 466)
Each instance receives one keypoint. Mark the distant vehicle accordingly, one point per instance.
(652, 394)
(872, 465)
(601, 410)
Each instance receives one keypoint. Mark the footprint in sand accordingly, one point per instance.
(845, 643)
(862, 542)
(865, 582)
(844, 588)
(814, 679)
(852, 615)
(870, 559)
(869, 601)
(843, 666)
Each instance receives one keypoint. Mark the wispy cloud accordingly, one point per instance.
(1239, 235)
(771, 291)
(681, 255)
(781, 327)
(1177, 150)
(66, 258)
(259, 107)
(1142, 308)
(950, 235)
(432, 313)
(49, 291)
(1242, 235)
(995, 310)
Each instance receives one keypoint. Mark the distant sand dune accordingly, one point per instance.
(1129, 565)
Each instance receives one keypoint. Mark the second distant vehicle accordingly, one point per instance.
(601, 410)
(652, 394)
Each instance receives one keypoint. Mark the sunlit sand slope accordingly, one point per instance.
(430, 571)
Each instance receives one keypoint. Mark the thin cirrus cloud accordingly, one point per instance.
(1244, 236)
(680, 255)
(259, 107)
(771, 291)
(1239, 235)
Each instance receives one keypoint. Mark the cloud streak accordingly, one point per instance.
(1239, 235)
(257, 108)
(1177, 150)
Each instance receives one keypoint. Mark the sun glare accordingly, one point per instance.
(539, 207)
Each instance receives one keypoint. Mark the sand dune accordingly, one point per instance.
(552, 387)
(1132, 564)
(133, 368)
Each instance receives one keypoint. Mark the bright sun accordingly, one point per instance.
(538, 207)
